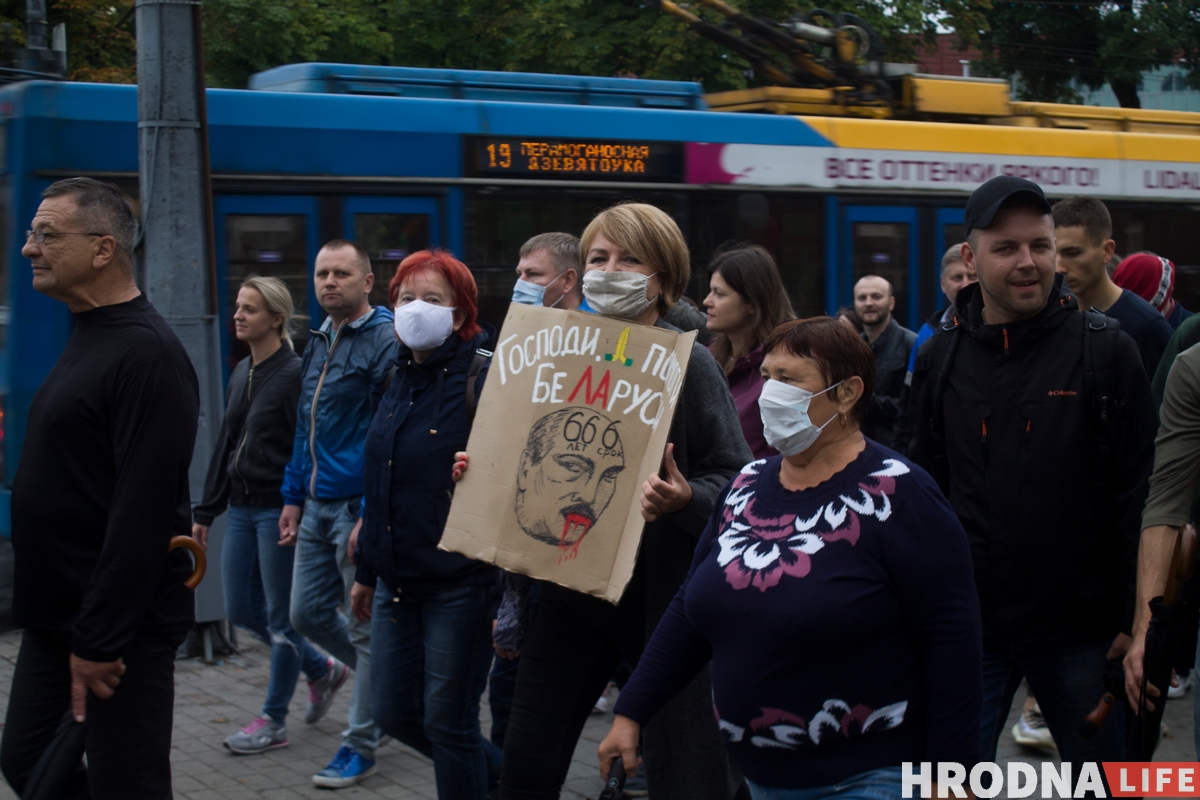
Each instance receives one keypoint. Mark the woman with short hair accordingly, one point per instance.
(430, 610)
(746, 301)
(832, 591)
(245, 473)
(636, 267)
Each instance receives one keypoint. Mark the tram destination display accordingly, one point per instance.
(574, 159)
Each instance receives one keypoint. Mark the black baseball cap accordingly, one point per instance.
(998, 192)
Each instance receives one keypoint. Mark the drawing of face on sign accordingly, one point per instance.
(567, 476)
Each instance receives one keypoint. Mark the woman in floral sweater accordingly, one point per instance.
(833, 593)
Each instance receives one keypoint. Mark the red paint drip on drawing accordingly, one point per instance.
(575, 527)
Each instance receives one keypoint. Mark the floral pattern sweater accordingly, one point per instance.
(842, 624)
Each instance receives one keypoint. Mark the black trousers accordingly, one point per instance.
(571, 651)
(128, 743)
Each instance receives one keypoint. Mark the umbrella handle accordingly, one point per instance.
(197, 553)
(1094, 721)
(616, 781)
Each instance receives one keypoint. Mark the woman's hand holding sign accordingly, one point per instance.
(461, 459)
(662, 496)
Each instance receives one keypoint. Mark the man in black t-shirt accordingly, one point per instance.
(101, 488)
(1083, 234)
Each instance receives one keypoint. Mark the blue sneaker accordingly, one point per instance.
(347, 768)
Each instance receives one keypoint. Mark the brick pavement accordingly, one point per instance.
(213, 701)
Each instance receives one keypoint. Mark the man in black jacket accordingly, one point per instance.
(101, 488)
(891, 344)
(1007, 419)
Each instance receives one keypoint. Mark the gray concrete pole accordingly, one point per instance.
(176, 207)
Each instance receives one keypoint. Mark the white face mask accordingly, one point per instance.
(617, 294)
(784, 410)
(424, 326)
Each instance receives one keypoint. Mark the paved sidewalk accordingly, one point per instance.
(213, 701)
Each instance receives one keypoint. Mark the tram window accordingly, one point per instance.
(952, 235)
(498, 222)
(1168, 230)
(881, 248)
(791, 226)
(273, 245)
(389, 239)
(495, 293)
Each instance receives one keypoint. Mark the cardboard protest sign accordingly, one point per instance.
(573, 418)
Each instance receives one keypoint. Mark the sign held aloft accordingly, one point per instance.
(574, 417)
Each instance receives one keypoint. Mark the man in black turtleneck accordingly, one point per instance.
(101, 488)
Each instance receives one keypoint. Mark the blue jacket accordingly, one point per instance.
(420, 424)
(340, 373)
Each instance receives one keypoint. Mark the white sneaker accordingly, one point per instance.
(1031, 730)
(604, 704)
(1175, 692)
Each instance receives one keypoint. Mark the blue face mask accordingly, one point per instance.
(532, 294)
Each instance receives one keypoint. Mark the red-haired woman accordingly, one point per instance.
(430, 610)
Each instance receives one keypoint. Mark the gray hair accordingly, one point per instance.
(953, 255)
(277, 299)
(101, 208)
(563, 249)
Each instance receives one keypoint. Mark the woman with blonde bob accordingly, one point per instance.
(244, 476)
(636, 266)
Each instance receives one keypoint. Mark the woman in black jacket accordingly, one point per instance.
(636, 267)
(245, 474)
(430, 610)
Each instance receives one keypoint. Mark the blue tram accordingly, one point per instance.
(403, 159)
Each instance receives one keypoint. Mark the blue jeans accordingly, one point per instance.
(430, 666)
(1067, 681)
(257, 574)
(1196, 704)
(320, 590)
(874, 784)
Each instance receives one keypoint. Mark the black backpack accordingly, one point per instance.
(1099, 382)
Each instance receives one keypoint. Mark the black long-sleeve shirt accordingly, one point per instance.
(255, 443)
(102, 485)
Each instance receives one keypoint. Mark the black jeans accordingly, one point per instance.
(501, 684)
(129, 740)
(573, 645)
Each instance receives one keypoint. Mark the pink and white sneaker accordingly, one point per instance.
(321, 692)
(259, 736)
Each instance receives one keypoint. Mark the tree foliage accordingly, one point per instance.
(582, 37)
(1050, 45)
(242, 37)
(101, 46)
